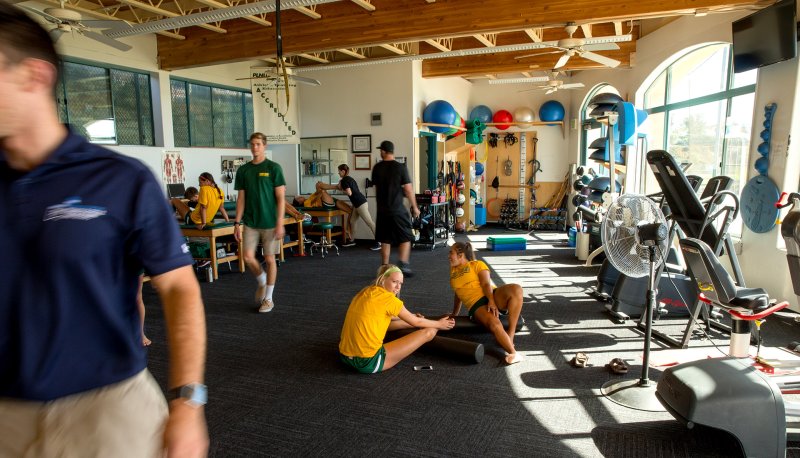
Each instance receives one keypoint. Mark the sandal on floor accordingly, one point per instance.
(617, 366)
(580, 359)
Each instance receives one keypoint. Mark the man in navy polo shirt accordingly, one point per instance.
(77, 224)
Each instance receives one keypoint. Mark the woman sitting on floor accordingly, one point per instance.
(209, 201)
(375, 310)
(471, 282)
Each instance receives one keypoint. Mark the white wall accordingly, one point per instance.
(342, 106)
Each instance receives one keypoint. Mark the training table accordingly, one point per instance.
(211, 232)
(328, 215)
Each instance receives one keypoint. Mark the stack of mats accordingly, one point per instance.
(505, 243)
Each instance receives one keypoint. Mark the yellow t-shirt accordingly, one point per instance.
(314, 201)
(367, 320)
(209, 196)
(465, 282)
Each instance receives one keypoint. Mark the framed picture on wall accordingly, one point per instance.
(362, 161)
(362, 143)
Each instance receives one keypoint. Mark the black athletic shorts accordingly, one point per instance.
(393, 229)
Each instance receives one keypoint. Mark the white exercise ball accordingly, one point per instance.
(524, 115)
(459, 212)
(461, 199)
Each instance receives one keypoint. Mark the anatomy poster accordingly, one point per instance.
(172, 169)
(271, 114)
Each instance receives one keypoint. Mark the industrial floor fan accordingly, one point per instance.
(634, 234)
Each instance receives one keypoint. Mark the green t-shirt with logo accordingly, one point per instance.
(259, 182)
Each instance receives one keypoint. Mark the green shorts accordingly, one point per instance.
(481, 302)
(366, 365)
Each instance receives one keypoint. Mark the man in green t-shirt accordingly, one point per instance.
(262, 190)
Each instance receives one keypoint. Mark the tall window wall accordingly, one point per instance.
(701, 113)
(106, 105)
(204, 115)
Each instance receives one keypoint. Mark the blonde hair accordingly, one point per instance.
(384, 271)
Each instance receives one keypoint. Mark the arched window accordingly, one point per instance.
(701, 113)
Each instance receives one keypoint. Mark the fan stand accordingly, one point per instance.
(639, 394)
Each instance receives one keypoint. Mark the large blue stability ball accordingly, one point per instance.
(440, 112)
(550, 111)
(482, 113)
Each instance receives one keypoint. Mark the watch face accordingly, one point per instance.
(195, 394)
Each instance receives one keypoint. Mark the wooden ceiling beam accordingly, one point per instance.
(505, 63)
(396, 21)
(166, 13)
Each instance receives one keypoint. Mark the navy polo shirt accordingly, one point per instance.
(74, 234)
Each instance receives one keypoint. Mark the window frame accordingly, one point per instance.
(246, 103)
(62, 84)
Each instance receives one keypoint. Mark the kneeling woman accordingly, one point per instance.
(471, 282)
(375, 310)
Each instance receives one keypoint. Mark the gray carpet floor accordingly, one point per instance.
(276, 387)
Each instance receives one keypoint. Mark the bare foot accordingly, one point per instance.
(145, 341)
(513, 358)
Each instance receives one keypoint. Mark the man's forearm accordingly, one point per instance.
(186, 327)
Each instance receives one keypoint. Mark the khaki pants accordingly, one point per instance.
(363, 213)
(125, 419)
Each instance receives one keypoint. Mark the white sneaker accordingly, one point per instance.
(266, 306)
(349, 243)
(376, 247)
(261, 292)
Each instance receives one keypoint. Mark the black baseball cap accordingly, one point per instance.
(387, 146)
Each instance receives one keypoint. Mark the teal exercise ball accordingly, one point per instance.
(551, 111)
(440, 112)
(482, 113)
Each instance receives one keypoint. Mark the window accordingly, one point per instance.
(106, 105)
(204, 115)
(701, 113)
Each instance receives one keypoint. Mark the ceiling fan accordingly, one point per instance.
(67, 20)
(551, 83)
(584, 47)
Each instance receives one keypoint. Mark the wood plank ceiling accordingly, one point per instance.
(358, 31)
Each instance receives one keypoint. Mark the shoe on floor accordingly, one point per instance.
(580, 359)
(261, 292)
(617, 366)
(266, 306)
(350, 242)
(376, 247)
(513, 358)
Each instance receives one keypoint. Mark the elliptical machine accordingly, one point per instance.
(729, 393)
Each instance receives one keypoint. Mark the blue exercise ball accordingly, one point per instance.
(482, 113)
(478, 169)
(551, 111)
(440, 112)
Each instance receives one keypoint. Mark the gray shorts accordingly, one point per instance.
(252, 236)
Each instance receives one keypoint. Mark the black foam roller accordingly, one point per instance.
(464, 324)
(462, 350)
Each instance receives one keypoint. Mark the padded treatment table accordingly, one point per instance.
(462, 350)
(211, 232)
(328, 215)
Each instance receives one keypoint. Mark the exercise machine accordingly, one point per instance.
(705, 217)
(624, 294)
(729, 393)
